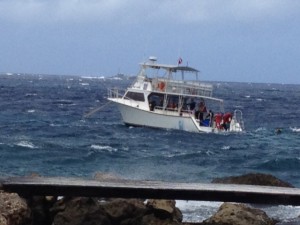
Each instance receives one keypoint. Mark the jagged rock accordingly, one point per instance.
(122, 209)
(165, 209)
(40, 207)
(13, 209)
(166, 205)
(253, 179)
(239, 214)
(152, 219)
(78, 211)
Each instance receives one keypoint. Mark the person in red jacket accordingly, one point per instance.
(226, 120)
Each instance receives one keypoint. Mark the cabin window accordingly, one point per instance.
(145, 86)
(135, 96)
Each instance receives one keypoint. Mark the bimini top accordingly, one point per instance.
(172, 68)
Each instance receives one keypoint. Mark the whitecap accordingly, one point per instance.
(208, 152)
(197, 211)
(103, 147)
(259, 99)
(225, 148)
(260, 129)
(26, 144)
(85, 84)
(93, 77)
(30, 94)
(295, 129)
(30, 110)
(247, 96)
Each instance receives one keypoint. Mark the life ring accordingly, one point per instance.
(161, 86)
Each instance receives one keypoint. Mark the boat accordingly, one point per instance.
(172, 97)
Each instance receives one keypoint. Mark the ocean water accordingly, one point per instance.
(43, 130)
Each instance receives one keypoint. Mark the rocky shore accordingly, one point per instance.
(54, 210)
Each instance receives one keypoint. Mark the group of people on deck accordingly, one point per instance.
(206, 118)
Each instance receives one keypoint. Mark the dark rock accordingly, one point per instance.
(239, 214)
(40, 207)
(165, 209)
(152, 219)
(253, 179)
(123, 209)
(78, 211)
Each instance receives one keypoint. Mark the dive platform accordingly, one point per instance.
(62, 186)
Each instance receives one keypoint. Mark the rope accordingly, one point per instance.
(95, 110)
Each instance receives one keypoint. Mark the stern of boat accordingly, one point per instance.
(237, 122)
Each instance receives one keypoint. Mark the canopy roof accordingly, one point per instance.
(172, 68)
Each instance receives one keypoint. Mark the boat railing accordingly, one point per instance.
(238, 117)
(173, 111)
(113, 93)
(179, 87)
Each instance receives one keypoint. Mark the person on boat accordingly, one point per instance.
(201, 111)
(192, 104)
(210, 117)
(226, 120)
(218, 120)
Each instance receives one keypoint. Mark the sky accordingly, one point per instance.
(227, 40)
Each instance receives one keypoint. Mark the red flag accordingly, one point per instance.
(179, 61)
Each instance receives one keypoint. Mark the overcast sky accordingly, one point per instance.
(227, 40)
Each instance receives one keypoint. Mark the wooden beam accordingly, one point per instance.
(61, 186)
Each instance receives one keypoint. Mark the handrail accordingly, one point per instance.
(63, 186)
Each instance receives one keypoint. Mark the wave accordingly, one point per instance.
(295, 129)
(26, 144)
(281, 164)
(93, 77)
(197, 211)
(226, 147)
(104, 148)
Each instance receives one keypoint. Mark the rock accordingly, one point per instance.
(152, 219)
(107, 177)
(166, 205)
(122, 209)
(253, 179)
(40, 207)
(239, 214)
(165, 209)
(13, 209)
(78, 211)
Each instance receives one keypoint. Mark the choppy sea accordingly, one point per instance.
(43, 130)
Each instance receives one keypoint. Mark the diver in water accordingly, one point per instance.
(278, 131)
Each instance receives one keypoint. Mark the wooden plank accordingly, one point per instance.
(61, 186)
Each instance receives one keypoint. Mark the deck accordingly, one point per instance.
(62, 186)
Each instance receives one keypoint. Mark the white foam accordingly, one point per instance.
(93, 77)
(295, 129)
(197, 211)
(26, 144)
(104, 147)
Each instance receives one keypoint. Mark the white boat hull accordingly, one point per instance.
(138, 117)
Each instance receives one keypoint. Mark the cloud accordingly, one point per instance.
(136, 11)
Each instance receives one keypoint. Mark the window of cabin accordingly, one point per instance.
(135, 96)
